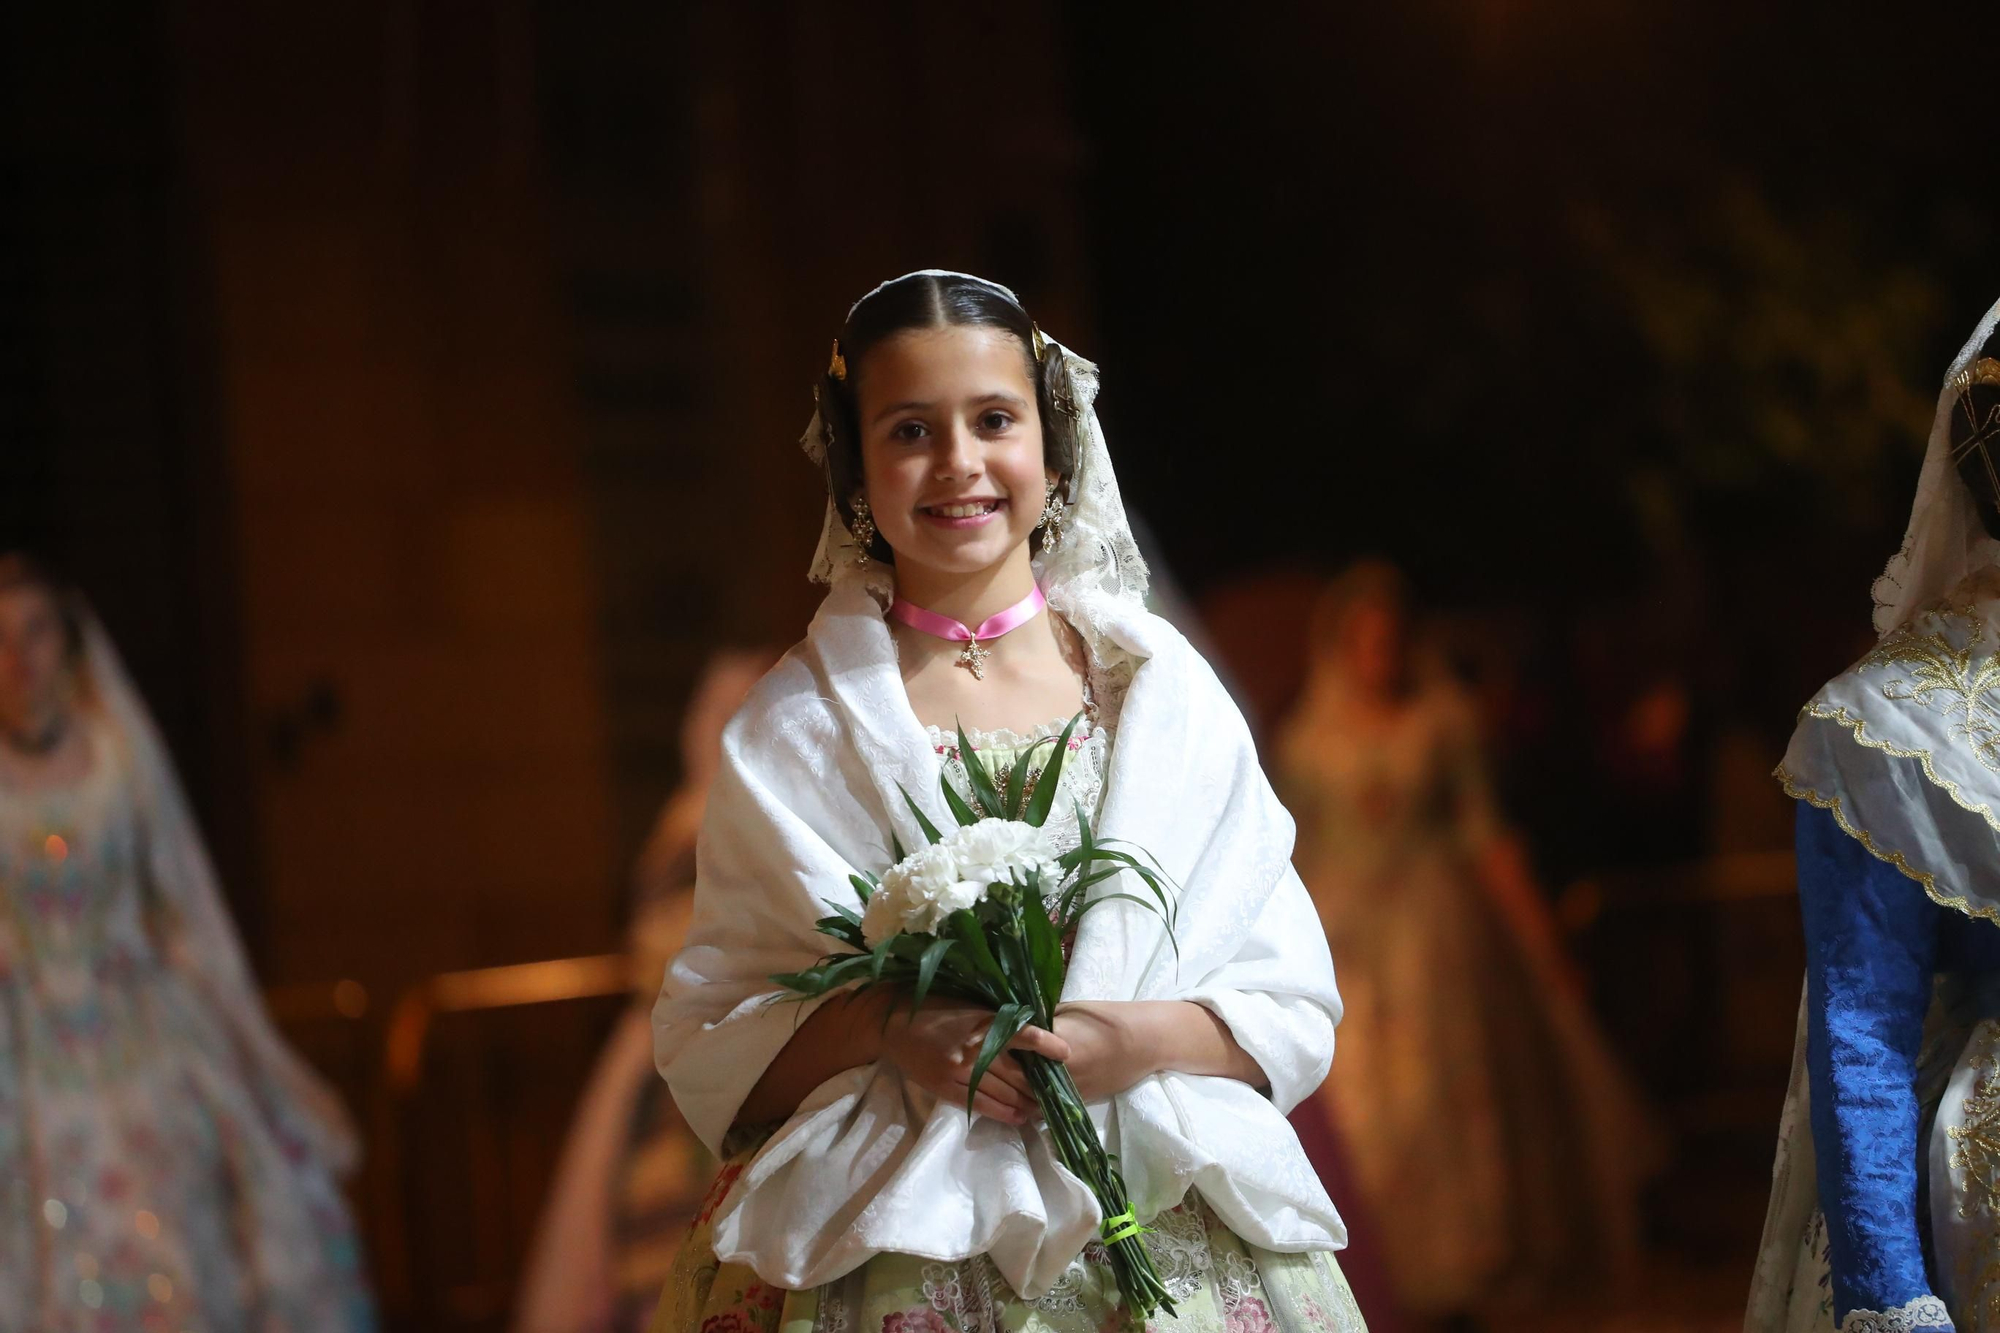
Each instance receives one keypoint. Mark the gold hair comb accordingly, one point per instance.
(1984, 371)
(1041, 343)
(838, 366)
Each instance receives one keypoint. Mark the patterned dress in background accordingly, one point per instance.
(153, 1175)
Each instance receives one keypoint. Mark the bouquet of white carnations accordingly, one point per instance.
(981, 914)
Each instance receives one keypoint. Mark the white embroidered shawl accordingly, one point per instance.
(869, 1164)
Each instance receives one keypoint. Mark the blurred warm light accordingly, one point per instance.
(57, 849)
(493, 988)
(148, 1224)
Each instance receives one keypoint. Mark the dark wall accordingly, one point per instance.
(110, 464)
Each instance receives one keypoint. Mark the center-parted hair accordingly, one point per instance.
(929, 301)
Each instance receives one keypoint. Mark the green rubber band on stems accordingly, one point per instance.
(1122, 1227)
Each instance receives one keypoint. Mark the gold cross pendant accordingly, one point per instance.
(973, 659)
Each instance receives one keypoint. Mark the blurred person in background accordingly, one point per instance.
(632, 1173)
(166, 1162)
(1497, 1145)
(1885, 1200)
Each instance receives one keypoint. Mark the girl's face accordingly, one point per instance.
(33, 658)
(951, 447)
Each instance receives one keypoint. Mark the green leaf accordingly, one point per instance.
(1088, 880)
(896, 846)
(1150, 869)
(1016, 795)
(934, 954)
(1007, 1025)
(829, 973)
(923, 820)
(976, 774)
(851, 967)
(843, 930)
(986, 967)
(844, 913)
(1152, 907)
(879, 958)
(959, 809)
(1044, 953)
(863, 889)
(1045, 790)
(1011, 947)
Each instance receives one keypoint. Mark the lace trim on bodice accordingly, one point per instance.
(1005, 738)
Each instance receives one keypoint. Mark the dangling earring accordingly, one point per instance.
(862, 529)
(1052, 520)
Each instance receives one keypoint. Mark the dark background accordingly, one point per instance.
(413, 386)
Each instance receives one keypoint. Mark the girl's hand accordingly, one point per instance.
(937, 1048)
(1110, 1049)
(1114, 1044)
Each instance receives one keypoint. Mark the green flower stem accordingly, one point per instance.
(1079, 1149)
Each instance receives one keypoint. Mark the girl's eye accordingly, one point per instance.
(909, 430)
(996, 420)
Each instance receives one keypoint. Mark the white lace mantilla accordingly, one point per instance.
(1925, 1312)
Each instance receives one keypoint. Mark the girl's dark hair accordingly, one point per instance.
(19, 569)
(931, 301)
(1975, 434)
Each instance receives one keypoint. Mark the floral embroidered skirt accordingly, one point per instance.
(1219, 1284)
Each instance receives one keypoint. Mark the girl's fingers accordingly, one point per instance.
(999, 1089)
(1042, 1042)
(1010, 1073)
(984, 1103)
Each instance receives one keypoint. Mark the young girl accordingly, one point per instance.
(1885, 1203)
(165, 1161)
(983, 574)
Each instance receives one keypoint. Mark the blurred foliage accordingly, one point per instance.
(1784, 360)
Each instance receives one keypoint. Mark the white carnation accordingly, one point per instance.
(961, 896)
(922, 873)
(917, 893)
(931, 883)
(997, 850)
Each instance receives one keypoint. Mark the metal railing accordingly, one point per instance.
(398, 1041)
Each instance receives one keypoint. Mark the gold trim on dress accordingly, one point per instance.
(1929, 882)
(1857, 725)
(1934, 666)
